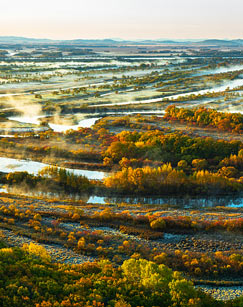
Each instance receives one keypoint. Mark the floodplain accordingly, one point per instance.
(114, 153)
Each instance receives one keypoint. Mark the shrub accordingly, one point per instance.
(158, 224)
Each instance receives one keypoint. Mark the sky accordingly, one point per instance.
(126, 19)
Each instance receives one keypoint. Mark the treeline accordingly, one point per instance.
(60, 145)
(156, 163)
(158, 146)
(203, 117)
(151, 162)
(54, 151)
(28, 278)
(166, 180)
(50, 179)
(68, 181)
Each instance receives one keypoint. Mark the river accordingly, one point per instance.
(8, 165)
(34, 120)
(184, 202)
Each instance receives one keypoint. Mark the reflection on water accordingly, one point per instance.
(182, 202)
(185, 202)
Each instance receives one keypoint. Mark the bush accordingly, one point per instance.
(158, 224)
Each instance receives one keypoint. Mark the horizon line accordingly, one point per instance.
(119, 38)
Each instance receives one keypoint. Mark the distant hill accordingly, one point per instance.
(22, 40)
(93, 41)
(26, 40)
(118, 42)
(220, 42)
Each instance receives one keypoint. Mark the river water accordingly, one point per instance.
(34, 120)
(185, 202)
(8, 165)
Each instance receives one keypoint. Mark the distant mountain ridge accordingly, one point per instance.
(108, 42)
(19, 39)
(222, 42)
